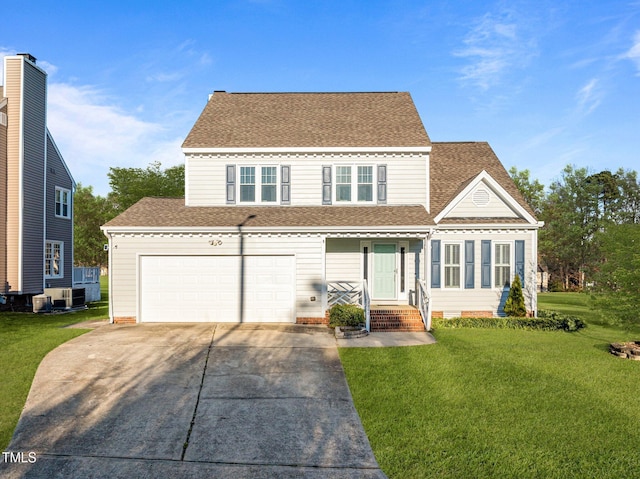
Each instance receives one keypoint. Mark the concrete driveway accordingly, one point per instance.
(192, 400)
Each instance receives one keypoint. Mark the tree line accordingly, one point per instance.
(591, 234)
(128, 186)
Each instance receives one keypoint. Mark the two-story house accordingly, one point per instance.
(36, 189)
(296, 201)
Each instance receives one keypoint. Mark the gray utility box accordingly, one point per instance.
(41, 303)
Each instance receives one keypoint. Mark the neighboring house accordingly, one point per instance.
(296, 201)
(36, 189)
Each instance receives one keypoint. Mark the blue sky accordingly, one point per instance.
(546, 83)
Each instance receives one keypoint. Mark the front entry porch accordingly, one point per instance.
(380, 316)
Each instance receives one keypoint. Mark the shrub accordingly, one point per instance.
(346, 315)
(547, 321)
(515, 301)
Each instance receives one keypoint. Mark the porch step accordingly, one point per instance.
(395, 318)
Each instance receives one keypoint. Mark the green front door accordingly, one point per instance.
(384, 271)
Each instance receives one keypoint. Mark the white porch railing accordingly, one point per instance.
(350, 292)
(366, 304)
(423, 301)
(86, 275)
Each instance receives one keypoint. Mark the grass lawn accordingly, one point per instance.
(502, 403)
(24, 340)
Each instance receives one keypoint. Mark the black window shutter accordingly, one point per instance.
(520, 260)
(231, 184)
(285, 185)
(382, 183)
(435, 263)
(469, 264)
(326, 185)
(485, 253)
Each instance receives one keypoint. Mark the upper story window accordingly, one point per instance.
(53, 259)
(63, 202)
(258, 184)
(354, 184)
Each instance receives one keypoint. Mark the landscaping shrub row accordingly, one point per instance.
(346, 315)
(546, 321)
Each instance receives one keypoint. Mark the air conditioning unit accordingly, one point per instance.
(66, 298)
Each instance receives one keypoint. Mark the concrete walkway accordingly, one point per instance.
(192, 400)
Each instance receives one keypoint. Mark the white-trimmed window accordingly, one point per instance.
(63, 202)
(452, 265)
(258, 184)
(354, 184)
(502, 264)
(54, 259)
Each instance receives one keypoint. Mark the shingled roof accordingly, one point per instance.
(272, 120)
(453, 165)
(172, 213)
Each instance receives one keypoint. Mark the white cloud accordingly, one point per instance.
(493, 47)
(634, 52)
(93, 134)
(589, 97)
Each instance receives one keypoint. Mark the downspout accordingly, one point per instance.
(110, 273)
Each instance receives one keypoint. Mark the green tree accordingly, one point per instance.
(514, 306)
(129, 185)
(618, 275)
(89, 213)
(532, 191)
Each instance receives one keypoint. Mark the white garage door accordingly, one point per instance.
(208, 288)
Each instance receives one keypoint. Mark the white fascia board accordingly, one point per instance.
(498, 190)
(385, 149)
(338, 230)
(490, 226)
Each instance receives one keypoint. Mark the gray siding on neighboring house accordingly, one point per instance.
(59, 229)
(34, 152)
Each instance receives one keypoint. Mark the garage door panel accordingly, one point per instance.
(207, 288)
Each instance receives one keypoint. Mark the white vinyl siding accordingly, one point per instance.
(406, 175)
(125, 250)
(452, 301)
(482, 202)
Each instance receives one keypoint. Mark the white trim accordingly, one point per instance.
(62, 190)
(334, 231)
(497, 189)
(305, 149)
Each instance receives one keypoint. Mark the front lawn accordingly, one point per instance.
(25, 339)
(501, 403)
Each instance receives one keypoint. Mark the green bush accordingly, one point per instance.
(546, 321)
(346, 315)
(515, 301)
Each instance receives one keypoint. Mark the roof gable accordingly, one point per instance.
(483, 199)
(277, 120)
(456, 168)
